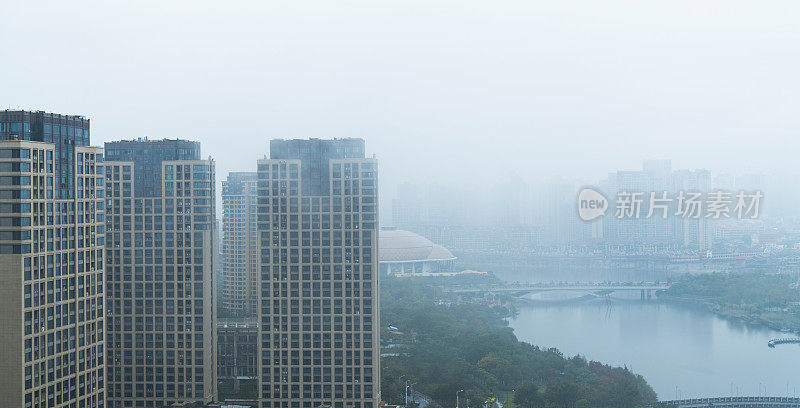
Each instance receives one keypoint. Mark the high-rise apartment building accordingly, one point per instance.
(51, 262)
(673, 231)
(240, 276)
(698, 232)
(160, 286)
(318, 229)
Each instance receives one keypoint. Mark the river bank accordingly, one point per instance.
(446, 344)
(771, 300)
(776, 320)
(681, 347)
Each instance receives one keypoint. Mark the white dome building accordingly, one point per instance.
(405, 252)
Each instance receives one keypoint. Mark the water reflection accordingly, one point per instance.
(681, 349)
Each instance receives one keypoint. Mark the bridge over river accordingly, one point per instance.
(520, 290)
(736, 402)
(786, 340)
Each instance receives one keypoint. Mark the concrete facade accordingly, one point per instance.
(240, 245)
(160, 290)
(318, 227)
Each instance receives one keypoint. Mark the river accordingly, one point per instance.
(682, 350)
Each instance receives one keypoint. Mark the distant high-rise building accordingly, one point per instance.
(697, 232)
(658, 178)
(318, 227)
(160, 258)
(655, 177)
(240, 276)
(638, 230)
(423, 205)
(51, 262)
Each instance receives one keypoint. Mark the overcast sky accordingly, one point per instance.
(443, 91)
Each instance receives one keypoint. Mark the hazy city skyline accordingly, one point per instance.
(542, 88)
(390, 204)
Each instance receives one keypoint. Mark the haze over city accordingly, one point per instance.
(399, 204)
(451, 92)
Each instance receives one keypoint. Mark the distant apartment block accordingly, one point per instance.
(240, 244)
(657, 177)
(160, 280)
(51, 261)
(319, 328)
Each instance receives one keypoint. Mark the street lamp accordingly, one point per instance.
(401, 378)
(458, 406)
(407, 391)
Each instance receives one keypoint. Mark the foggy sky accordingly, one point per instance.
(453, 92)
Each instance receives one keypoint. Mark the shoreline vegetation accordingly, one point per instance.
(755, 298)
(446, 344)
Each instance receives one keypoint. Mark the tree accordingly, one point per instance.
(528, 396)
(561, 393)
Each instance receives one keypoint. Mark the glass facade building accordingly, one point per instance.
(51, 261)
(65, 132)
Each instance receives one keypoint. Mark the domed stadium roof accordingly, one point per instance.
(396, 245)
